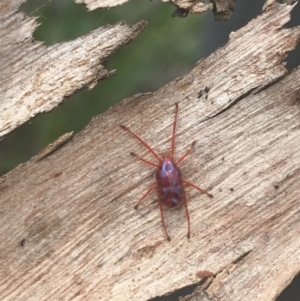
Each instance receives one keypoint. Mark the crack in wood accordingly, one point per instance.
(230, 105)
(219, 276)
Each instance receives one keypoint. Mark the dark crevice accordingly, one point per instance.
(230, 105)
(270, 84)
(253, 91)
(236, 261)
(187, 290)
(292, 292)
(240, 258)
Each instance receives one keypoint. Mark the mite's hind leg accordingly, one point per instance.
(163, 218)
(188, 217)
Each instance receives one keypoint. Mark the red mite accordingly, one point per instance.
(168, 177)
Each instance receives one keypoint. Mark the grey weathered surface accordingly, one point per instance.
(68, 229)
(35, 78)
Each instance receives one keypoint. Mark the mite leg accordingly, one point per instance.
(186, 153)
(198, 188)
(145, 194)
(142, 141)
(174, 131)
(187, 216)
(163, 218)
(144, 160)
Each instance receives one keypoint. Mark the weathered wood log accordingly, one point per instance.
(68, 229)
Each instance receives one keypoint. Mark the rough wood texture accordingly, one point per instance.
(222, 8)
(68, 230)
(94, 4)
(194, 7)
(36, 78)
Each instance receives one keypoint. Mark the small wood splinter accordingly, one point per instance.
(169, 182)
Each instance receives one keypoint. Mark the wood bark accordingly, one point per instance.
(36, 78)
(68, 230)
(94, 4)
(221, 9)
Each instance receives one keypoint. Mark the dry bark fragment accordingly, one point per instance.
(36, 78)
(94, 4)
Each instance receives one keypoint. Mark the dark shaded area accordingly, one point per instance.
(292, 292)
(223, 9)
(175, 295)
(293, 59)
(22, 242)
(180, 12)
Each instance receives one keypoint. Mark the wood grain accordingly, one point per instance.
(36, 78)
(68, 229)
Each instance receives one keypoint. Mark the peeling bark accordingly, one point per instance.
(94, 4)
(222, 9)
(36, 78)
